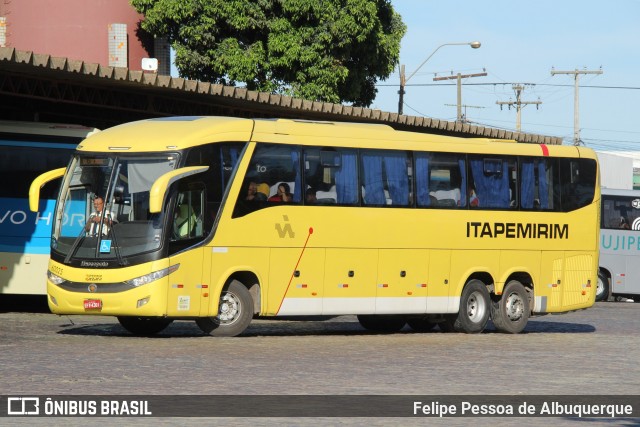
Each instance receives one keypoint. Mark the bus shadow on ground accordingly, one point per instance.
(188, 329)
(23, 304)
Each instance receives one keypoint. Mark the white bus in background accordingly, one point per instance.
(29, 149)
(619, 272)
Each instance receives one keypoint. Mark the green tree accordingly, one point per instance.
(325, 50)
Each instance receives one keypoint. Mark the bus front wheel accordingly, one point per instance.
(510, 313)
(474, 311)
(602, 289)
(144, 326)
(235, 311)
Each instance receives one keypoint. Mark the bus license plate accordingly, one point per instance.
(92, 304)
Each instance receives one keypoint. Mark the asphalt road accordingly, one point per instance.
(593, 351)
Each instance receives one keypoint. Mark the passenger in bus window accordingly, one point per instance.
(94, 219)
(283, 194)
(474, 201)
(624, 223)
(254, 194)
(263, 192)
(310, 196)
(252, 190)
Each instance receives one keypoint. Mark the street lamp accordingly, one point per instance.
(403, 81)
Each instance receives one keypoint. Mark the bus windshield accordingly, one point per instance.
(103, 210)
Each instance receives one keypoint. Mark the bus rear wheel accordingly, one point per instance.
(473, 316)
(235, 311)
(382, 323)
(510, 313)
(602, 289)
(144, 326)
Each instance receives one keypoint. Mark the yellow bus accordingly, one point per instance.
(218, 220)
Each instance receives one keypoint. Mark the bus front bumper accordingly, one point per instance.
(145, 301)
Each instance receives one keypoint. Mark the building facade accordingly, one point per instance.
(106, 32)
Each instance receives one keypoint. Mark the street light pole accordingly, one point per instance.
(401, 91)
(403, 81)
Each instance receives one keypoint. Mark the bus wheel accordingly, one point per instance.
(421, 324)
(235, 312)
(144, 326)
(475, 304)
(602, 290)
(510, 313)
(382, 323)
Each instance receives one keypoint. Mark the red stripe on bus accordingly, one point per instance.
(545, 150)
(294, 269)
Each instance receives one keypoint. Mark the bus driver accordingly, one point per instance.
(94, 219)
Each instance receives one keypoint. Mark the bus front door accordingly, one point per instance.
(186, 288)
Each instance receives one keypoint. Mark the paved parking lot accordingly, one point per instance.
(594, 351)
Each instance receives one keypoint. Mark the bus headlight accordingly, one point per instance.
(55, 279)
(151, 277)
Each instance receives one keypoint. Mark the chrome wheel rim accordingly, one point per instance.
(514, 305)
(229, 309)
(599, 287)
(476, 307)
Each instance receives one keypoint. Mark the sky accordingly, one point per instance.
(521, 42)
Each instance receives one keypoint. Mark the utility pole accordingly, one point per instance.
(576, 114)
(459, 77)
(518, 103)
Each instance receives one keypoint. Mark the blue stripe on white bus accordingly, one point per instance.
(38, 144)
(22, 230)
(33, 247)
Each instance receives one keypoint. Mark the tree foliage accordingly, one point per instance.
(325, 50)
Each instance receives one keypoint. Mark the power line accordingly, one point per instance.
(506, 83)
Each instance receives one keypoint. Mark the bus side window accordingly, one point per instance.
(440, 180)
(320, 166)
(620, 212)
(270, 164)
(492, 181)
(579, 176)
(184, 222)
(188, 214)
(332, 174)
(384, 176)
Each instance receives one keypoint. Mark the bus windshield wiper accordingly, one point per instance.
(76, 243)
(116, 248)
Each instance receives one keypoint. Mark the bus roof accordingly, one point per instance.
(176, 133)
(168, 134)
